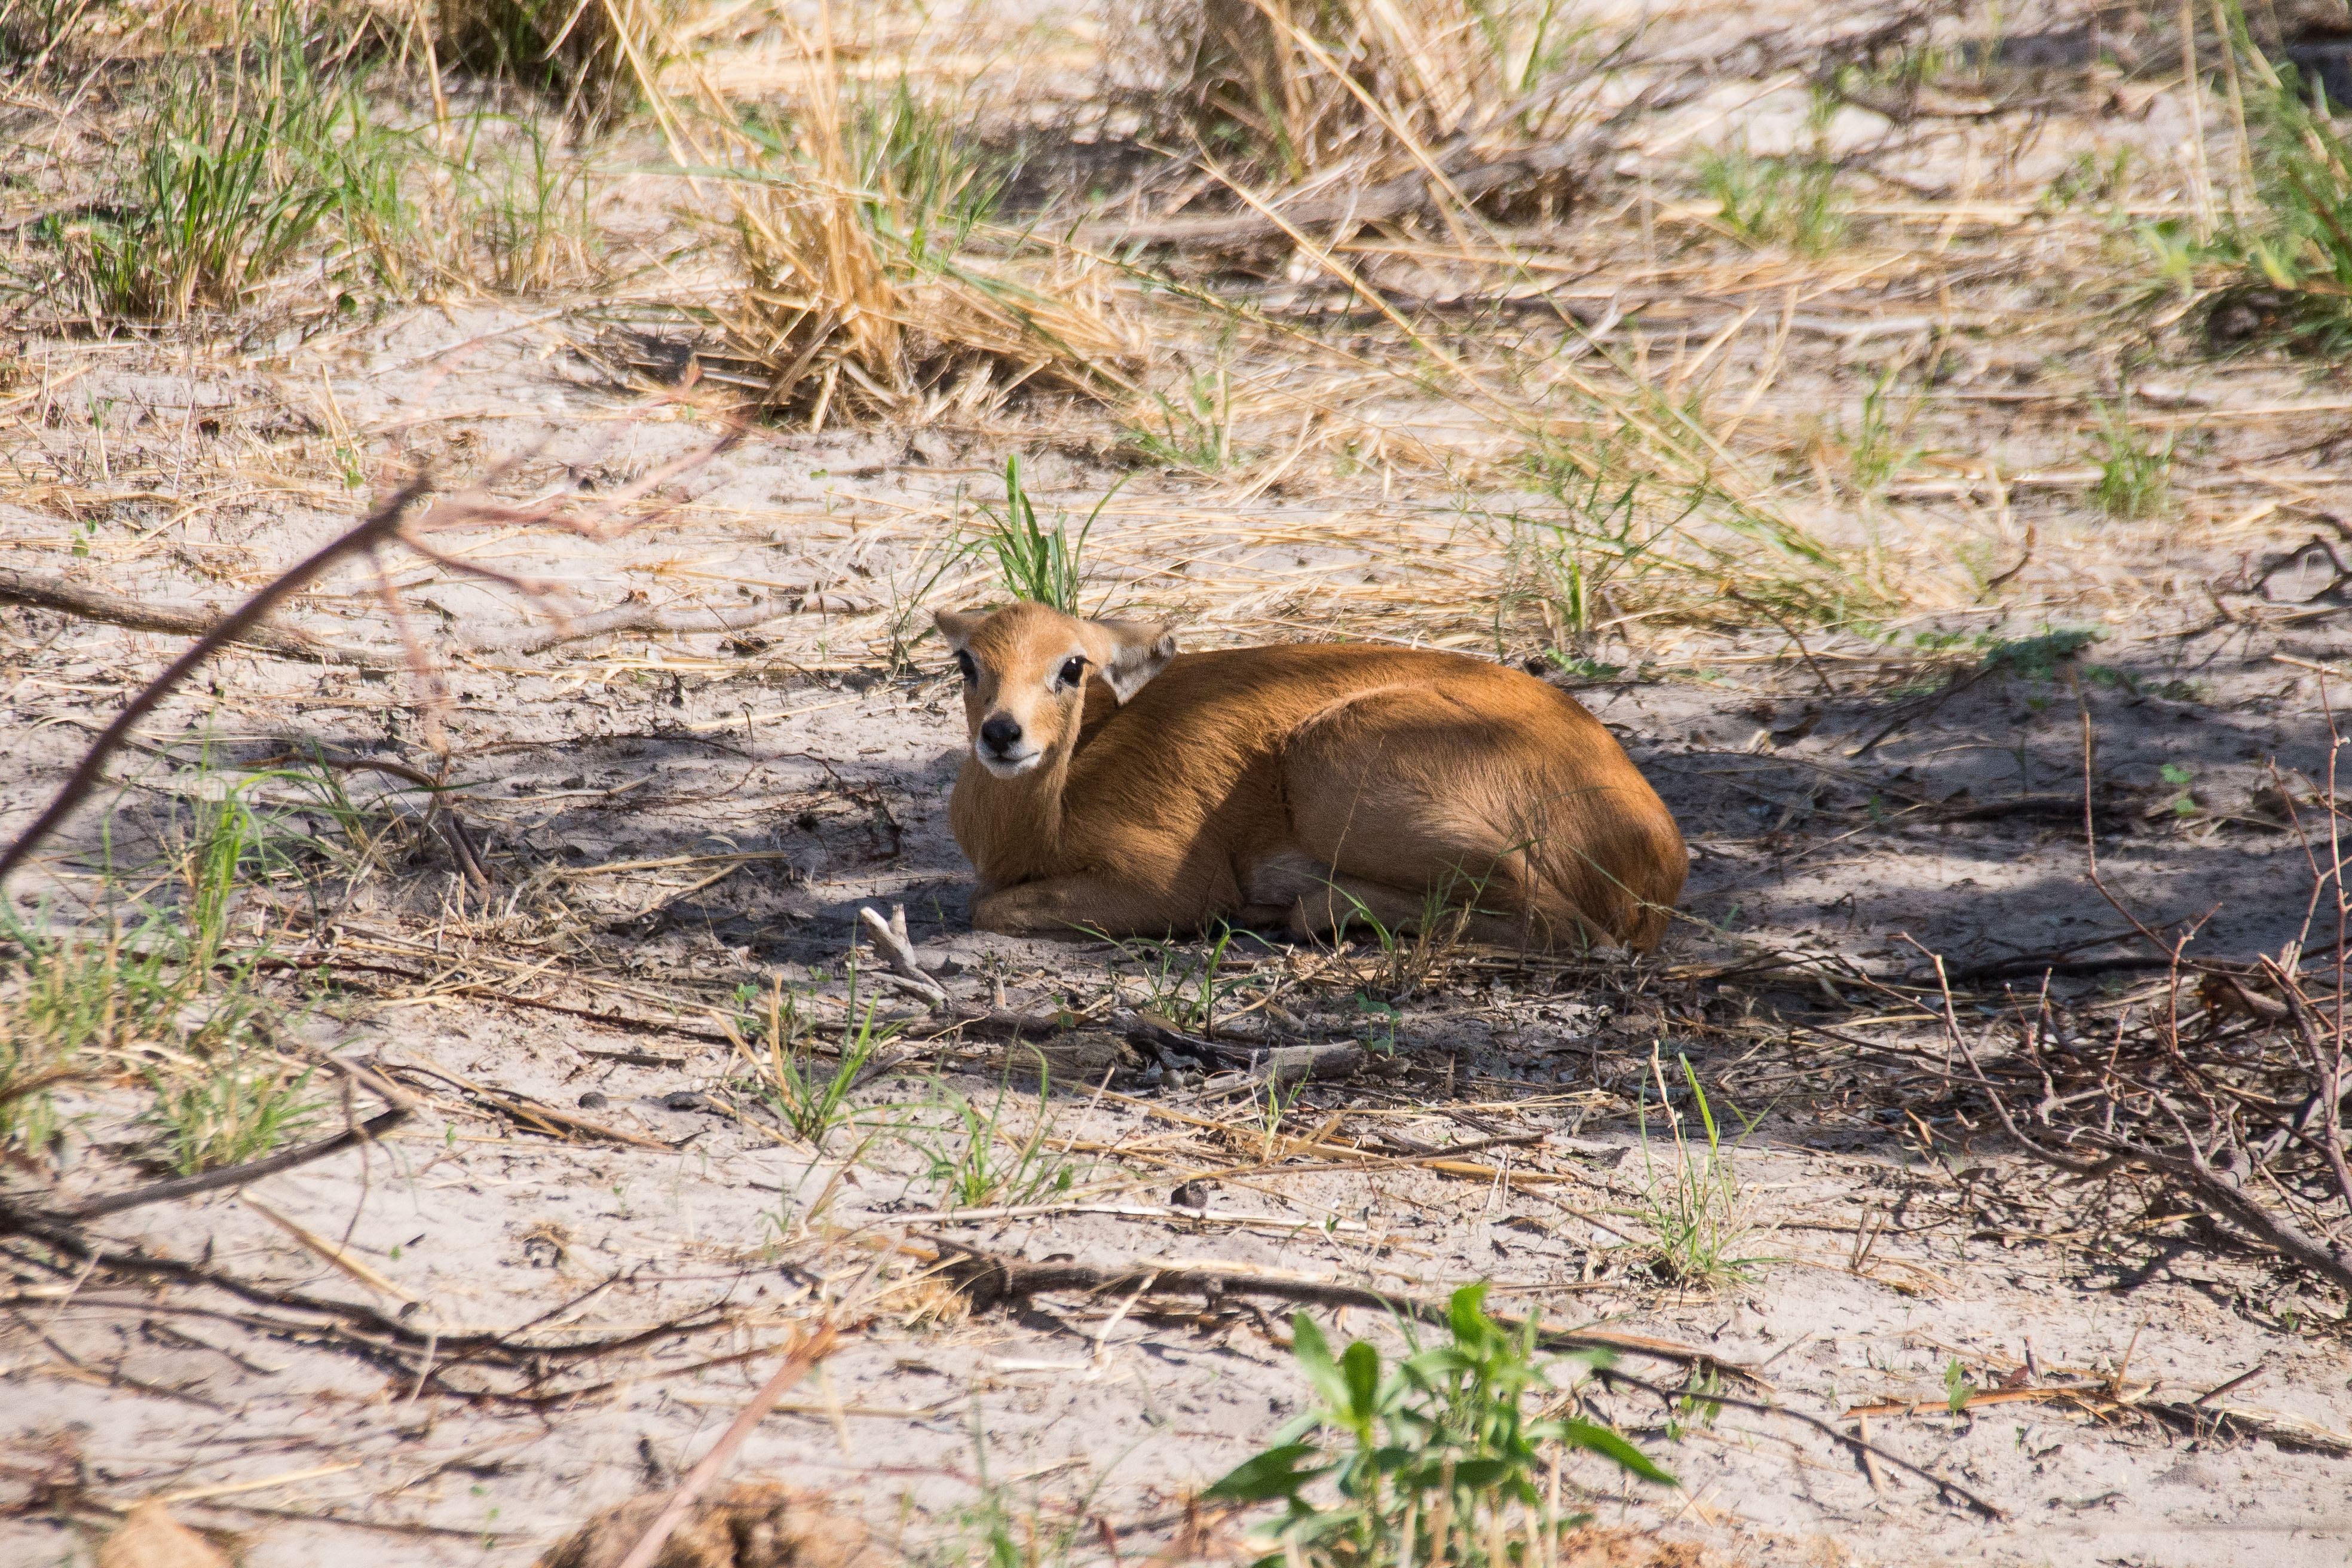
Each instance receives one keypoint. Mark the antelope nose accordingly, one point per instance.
(1000, 734)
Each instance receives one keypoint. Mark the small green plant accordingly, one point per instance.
(1793, 200)
(49, 1009)
(1433, 1460)
(2087, 182)
(2184, 803)
(238, 1105)
(1041, 565)
(976, 1163)
(1697, 1405)
(1566, 562)
(2134, 470)
(1958, 1389)
(996, 1530)
(1697, 1222)
(2037, 658)
(1191, 429)
(777, 1049)
(522, 210)
(2292, 253)
(910, 617)
(1876, 450)
(1270, 1111)
(159, 981)
(1181, 987)
(930, 179)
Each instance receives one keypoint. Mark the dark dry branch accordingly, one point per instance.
(381, 525)
(367, 1131)
(71, 598)
(991, 1279)
(808, 1350)
(636, 616)
(1862, 1448)
(412, 1348)
(400, 520)
(2095, 1113)
(553, 1120)
(2106, 1400)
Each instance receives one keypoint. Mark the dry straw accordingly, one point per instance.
(860, 297)
(1299, 86)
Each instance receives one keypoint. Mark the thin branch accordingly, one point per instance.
(380, 527)
(989, 1279)
(78, 599)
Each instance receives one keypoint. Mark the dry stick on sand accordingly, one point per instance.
(402, 1107)
(890, 939)
(989, 1279)
(394, 522)
(80, 599)
(992, 1278)
(805, 1355)
(798, 1363)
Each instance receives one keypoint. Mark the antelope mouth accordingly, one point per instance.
(1008, 764)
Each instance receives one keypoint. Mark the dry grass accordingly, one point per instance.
(1287, 88)
(860, 298)
(598, 58)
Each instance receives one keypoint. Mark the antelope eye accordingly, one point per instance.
(964, 663)
(1073, 671)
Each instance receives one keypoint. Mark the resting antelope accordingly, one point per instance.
(1116, 785)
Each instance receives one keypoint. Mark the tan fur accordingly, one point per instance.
(1309, 784)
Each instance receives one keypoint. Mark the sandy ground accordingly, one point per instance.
(1836, 808)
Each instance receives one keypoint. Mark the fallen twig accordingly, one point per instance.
(396, 522)
(552, 1119)
(991, 1279)
(15, 1218)
(634, 615)
(890, 940)
(80, 599)
(811, 1349)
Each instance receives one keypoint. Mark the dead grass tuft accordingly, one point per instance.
(751, 1527)
(597, 57)
(1290, 88)
(862, 293)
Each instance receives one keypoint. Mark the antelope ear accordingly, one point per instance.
(957, 626)
(1132, 652)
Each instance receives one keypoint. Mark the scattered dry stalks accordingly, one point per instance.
(860, 294)
(1294, 88)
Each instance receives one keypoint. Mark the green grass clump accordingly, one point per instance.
(1038, 562)
(926, 180)
(238, 176)
(1691, 1203)
(1191, 425)
(235, 1106)
(1435, 1460)
(2135, 469)
(2291, 254)
(785, 1070)
(975, 1163)
(165, 988)
(1765, 200)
